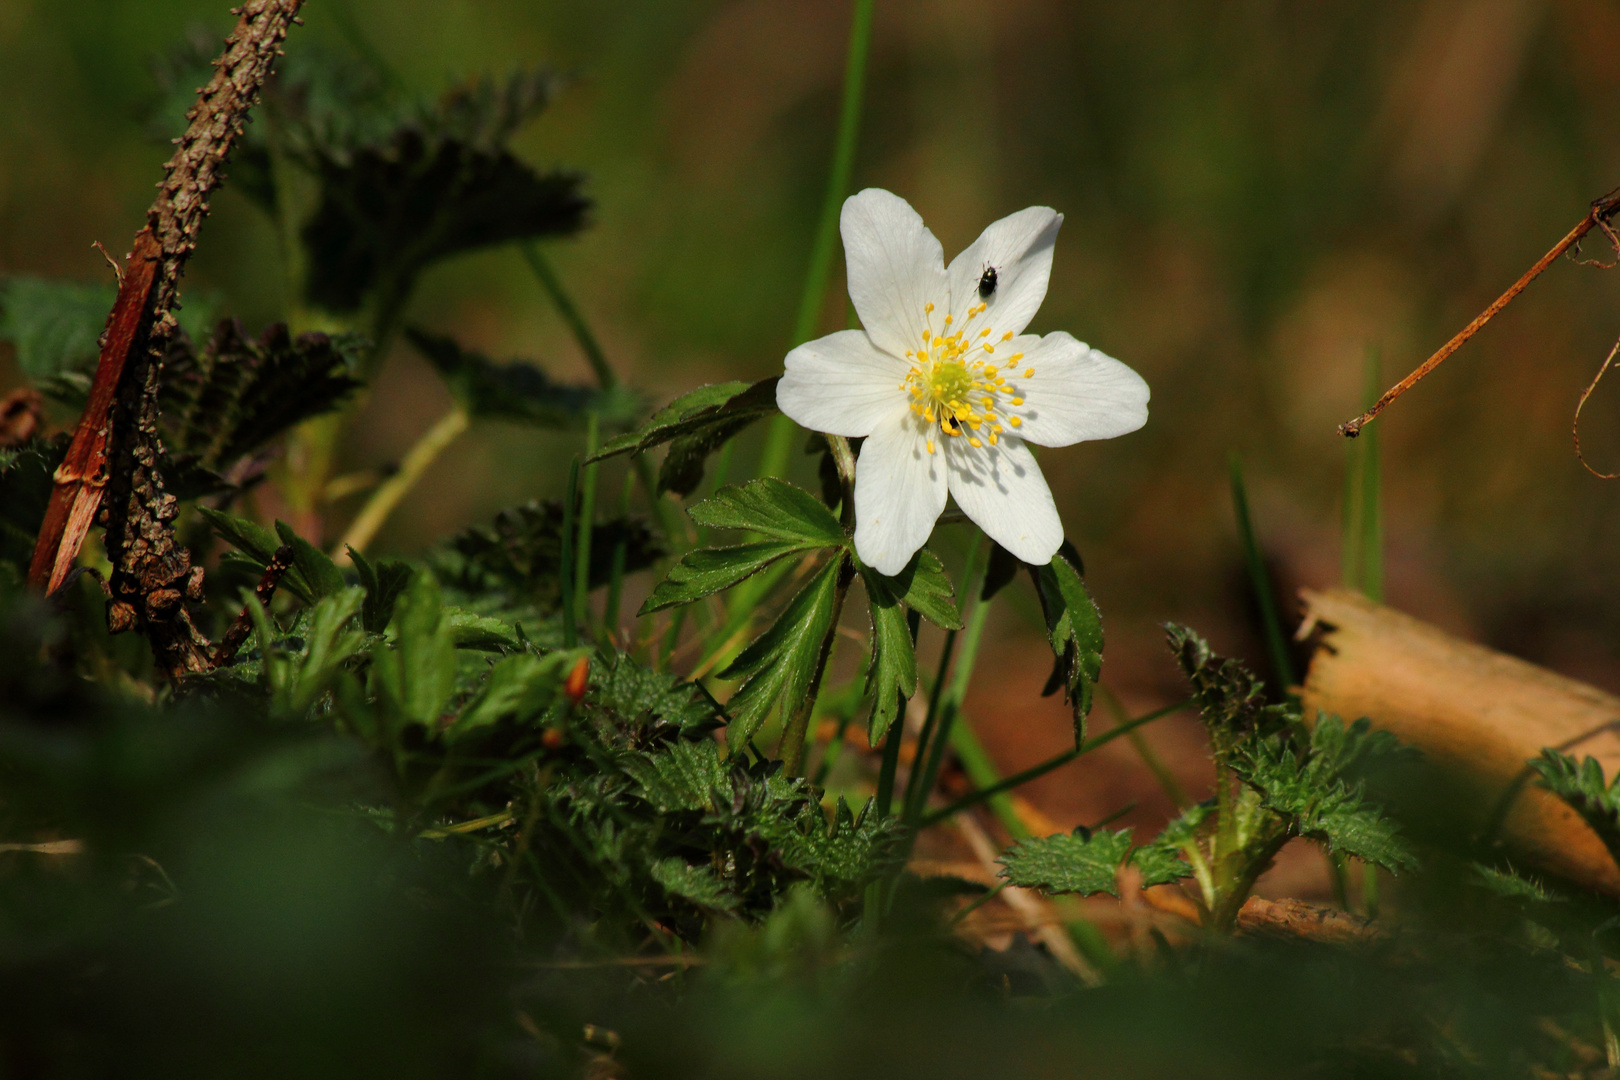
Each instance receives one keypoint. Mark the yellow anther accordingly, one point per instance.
(989, 348)
(985, 332)
(928, 309)
(947, 320)
(992, 438)
(1008, 336)
(930, 446)
(975, 442)
(1015, 421)
(1018, 401)
(1029, 373)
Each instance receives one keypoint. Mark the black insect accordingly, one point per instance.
(987, 283)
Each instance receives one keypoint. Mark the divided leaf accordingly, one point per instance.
(891, 678)
(697, 423)
(780, 664)
(773, 508)
(1068, 862)
(1074, 630)
(707, 571)
(1159, 865)
(519, 391)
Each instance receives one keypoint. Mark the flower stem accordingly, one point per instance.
(587, 518)
(389, 493)
(773, 461)
(565, 558)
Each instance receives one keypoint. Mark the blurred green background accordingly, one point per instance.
(1255, 192)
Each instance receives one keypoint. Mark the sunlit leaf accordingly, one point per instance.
(1074, 630)
(1068, 862)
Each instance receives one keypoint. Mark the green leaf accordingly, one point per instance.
(636, 697)
(321, 573)
(474, 630)
(891, 677)
(1159, 865)
(55, 326)
(27, 475)
(773, 508)
(519, 391)
(779, 666)
(695, 884)
(1582, 786)
(707, 571)
(298, 679)
(1074, 630)
(383, 584)
(926, 589)
(237, 394)
(685, 776)
(1230, 699)
(705, 417)
(387, 212)
(258, 545)
(414, 676)
(841, 856)
(519, 686)
(1068, 862)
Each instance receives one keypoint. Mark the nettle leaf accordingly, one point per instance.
(258, 545)
(1231, 700)
(388, 211)
(26, 477)
(687, 775)
(297, 679)
(55, 326)
(1068, 862)
(237, 394)
(696, 423)
(519, 391)
(1074, 630)
(414, 677)
(521, 686)
(520, 553)
(707, 571)
(1159, 865)
(1582, 786)
(846, 854)
(774, 508)
(383, 584)
(780, 664)
(319, 571)
(694, 884)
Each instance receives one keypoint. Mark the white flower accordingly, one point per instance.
(946, 388)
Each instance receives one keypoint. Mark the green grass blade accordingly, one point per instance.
(1276, 644)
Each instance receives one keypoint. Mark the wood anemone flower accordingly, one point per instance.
(946, 388)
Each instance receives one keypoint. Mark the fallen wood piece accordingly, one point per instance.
(1477, 715)
(1312, 922)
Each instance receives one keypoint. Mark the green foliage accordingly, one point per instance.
(772, 508)
(236, 394)
(414, 678)
(440, 183)
(695, 424)
(26, 478)
(383, 584)
(1582, 786)
(1083, 863)
(782, 663)
(519, 391)
(706, 571)
(55, 326)
(891, 677)
(256, 546)
(1074, 630)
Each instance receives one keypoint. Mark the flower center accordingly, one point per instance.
(956, 380)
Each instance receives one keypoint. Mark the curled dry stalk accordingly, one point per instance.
(1597, 217)
(115, 456)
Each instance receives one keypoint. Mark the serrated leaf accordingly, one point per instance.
(695, 884)
(258, 545)
(520, 686)
(640, 698)
(773, 508)
(1583, 787)
(475, 630)
(1159, 865)
(519, 391)
(415, 674)
(1230, 699)
(845, 854)
(779, 666)
(1510, 885)
(319, 571)
(699, 416)
(383, 584)
(926, 589)
(237, 394)
(387, 212)
(55, 326)
(296, 680)
(707, 571)
(685, 776)
(1074, 630)
(891, 676)
(26, 477)
(1068, 862)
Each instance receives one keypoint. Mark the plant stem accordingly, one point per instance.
(606, 378)
(889, 767)
(389, 493)
(1362, 546)
(982, 771)
(587, 519)
(947, 708)
(565, 558)
(1259, 579)
(773, 460)
(621, 551)
(1161, 772)
(791, 749)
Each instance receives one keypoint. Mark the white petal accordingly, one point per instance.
(895, 268)
(899, 491)
(841, 384)
(1001, 488)
(1075, 394)
(1019, 249)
